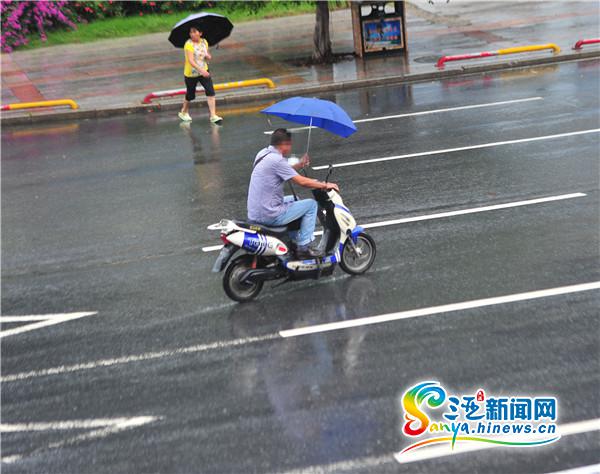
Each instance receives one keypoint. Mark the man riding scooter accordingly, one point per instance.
(267, 204)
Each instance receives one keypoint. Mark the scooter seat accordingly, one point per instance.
(264, 229)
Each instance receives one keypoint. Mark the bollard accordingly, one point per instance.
(263, 81)
(500, 52)
(581, 42)
(43, 103)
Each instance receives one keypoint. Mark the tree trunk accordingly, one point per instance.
(322, 40)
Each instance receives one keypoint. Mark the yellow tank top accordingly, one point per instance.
(199, 50)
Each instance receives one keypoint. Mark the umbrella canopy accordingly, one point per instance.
(314, 112)
(214, 28)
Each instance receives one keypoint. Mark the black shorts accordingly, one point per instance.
(192, 82)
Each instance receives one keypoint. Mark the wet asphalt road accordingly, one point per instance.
(111, 215)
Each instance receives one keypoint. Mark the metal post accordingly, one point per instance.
(309, 130)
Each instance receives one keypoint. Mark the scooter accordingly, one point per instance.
(267, 253)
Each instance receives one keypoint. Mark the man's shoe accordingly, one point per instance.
(185, 117)
(216, 119)
(304, 252)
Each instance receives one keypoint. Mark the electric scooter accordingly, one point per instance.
(267, 253)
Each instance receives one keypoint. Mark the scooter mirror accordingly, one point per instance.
(329, 171)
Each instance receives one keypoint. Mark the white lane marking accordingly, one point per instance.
(212, 248)
(44, 320)
(442, 451)
(427, 112)
(102, 363)
(474, 210)
(447, 308)
(355, 465)
(452, 150)
(101, 427)
(458, 212)
(74, 424)
(364, 463)
(21, 319)
(592, 469)
(65, 369)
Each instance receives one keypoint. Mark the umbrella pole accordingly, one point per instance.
(309, 130)
(303, 170)
(308, 145)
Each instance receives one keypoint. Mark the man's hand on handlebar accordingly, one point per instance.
(313, 183)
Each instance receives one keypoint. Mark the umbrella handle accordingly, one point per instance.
(308, 144)
(309, 130)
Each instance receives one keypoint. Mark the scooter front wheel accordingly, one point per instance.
(233, 285)
(356, 262)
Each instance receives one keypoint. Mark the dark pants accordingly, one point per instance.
(192, 82)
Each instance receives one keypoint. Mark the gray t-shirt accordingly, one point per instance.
(265, 195)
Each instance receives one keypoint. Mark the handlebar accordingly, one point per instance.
(329, 171)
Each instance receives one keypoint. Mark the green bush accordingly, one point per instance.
(94, 20)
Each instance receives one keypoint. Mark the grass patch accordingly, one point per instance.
(121, 27)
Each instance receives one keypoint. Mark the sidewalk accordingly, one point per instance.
(118, 73)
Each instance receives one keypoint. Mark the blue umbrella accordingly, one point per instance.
(314, 113)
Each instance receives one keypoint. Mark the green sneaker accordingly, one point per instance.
(216, 119)
(185, 117)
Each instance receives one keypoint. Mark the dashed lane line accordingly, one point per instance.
(447, 308)
(428, 112)
(454, 307)
(103, 363)
(369, 161)
(100, 428)
(458, 212)
(363, 464)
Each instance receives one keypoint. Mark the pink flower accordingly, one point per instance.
(24, 18)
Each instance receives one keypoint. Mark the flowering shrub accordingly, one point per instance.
(21, 19)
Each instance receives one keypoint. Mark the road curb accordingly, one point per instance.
(299, 90)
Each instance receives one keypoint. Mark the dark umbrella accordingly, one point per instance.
(214, 28)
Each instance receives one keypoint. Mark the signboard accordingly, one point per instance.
(378, 27)
(382, 34)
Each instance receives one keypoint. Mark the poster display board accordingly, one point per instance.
(384, 34)
(378, 27)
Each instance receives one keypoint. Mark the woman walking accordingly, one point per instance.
(196, 71)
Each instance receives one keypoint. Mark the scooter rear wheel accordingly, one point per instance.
(358, 263)
(235, 288)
